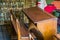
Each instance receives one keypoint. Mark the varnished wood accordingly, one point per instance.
(16, 27)
(20, 30)
(45, 23)
(36, 14)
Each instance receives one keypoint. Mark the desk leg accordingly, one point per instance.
(18, 29)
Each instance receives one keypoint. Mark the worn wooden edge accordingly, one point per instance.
(23, 10)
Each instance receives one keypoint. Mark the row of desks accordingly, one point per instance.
(19, 28)
(46, 24)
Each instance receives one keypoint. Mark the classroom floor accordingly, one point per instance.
(4, 35)
(6, 32)
(58, 28)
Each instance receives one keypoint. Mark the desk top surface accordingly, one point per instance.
(36, 14)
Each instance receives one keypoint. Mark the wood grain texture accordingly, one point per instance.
(46, 24)
(48, 28)
(36, 14)
(20, 30)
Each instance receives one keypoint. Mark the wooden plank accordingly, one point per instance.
(36, 14)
